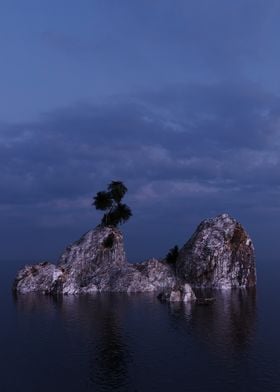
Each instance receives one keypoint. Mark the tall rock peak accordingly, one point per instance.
(220, 254)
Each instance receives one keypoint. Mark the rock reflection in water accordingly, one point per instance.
(117, 338)
(98, 318)
(228, 323)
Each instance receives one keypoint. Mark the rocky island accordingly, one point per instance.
(219, 255)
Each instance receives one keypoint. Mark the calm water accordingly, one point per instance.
(134, 343)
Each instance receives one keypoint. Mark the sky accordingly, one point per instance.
(179, 99)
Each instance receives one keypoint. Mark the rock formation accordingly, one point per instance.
(96, 262)
(178, 293)
(40, 277)
(220, 254)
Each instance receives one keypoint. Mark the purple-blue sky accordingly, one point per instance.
(179, 99)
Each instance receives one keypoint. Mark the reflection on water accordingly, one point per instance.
(126, 341)
(228, 323)
(99, 319)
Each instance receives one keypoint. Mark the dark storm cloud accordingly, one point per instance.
(196, 139)
(192, 127)
(220, 113)
(183, 152)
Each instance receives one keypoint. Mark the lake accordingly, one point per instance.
(119, 342)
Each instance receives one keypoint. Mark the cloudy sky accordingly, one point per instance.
(177, 98)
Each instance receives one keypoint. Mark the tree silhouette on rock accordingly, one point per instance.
(172, 255)
(110, 201)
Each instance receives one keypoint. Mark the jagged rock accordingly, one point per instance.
(178, 293)
(151, 275)
(96, 262)
(220, 254)
(40, 277)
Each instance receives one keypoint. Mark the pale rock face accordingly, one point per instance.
(220, 254)
(93, 262)
(178, 293)
(41, 278)
(96, 262)
(151, 275)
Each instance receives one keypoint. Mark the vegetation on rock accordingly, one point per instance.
(110, 201)
(172, 255)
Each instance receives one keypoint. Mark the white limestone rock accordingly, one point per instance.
(178, 293)
(96, 262)
(220, 254)
(39, 278)
(92, 263)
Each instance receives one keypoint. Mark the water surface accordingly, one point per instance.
(117, 342)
